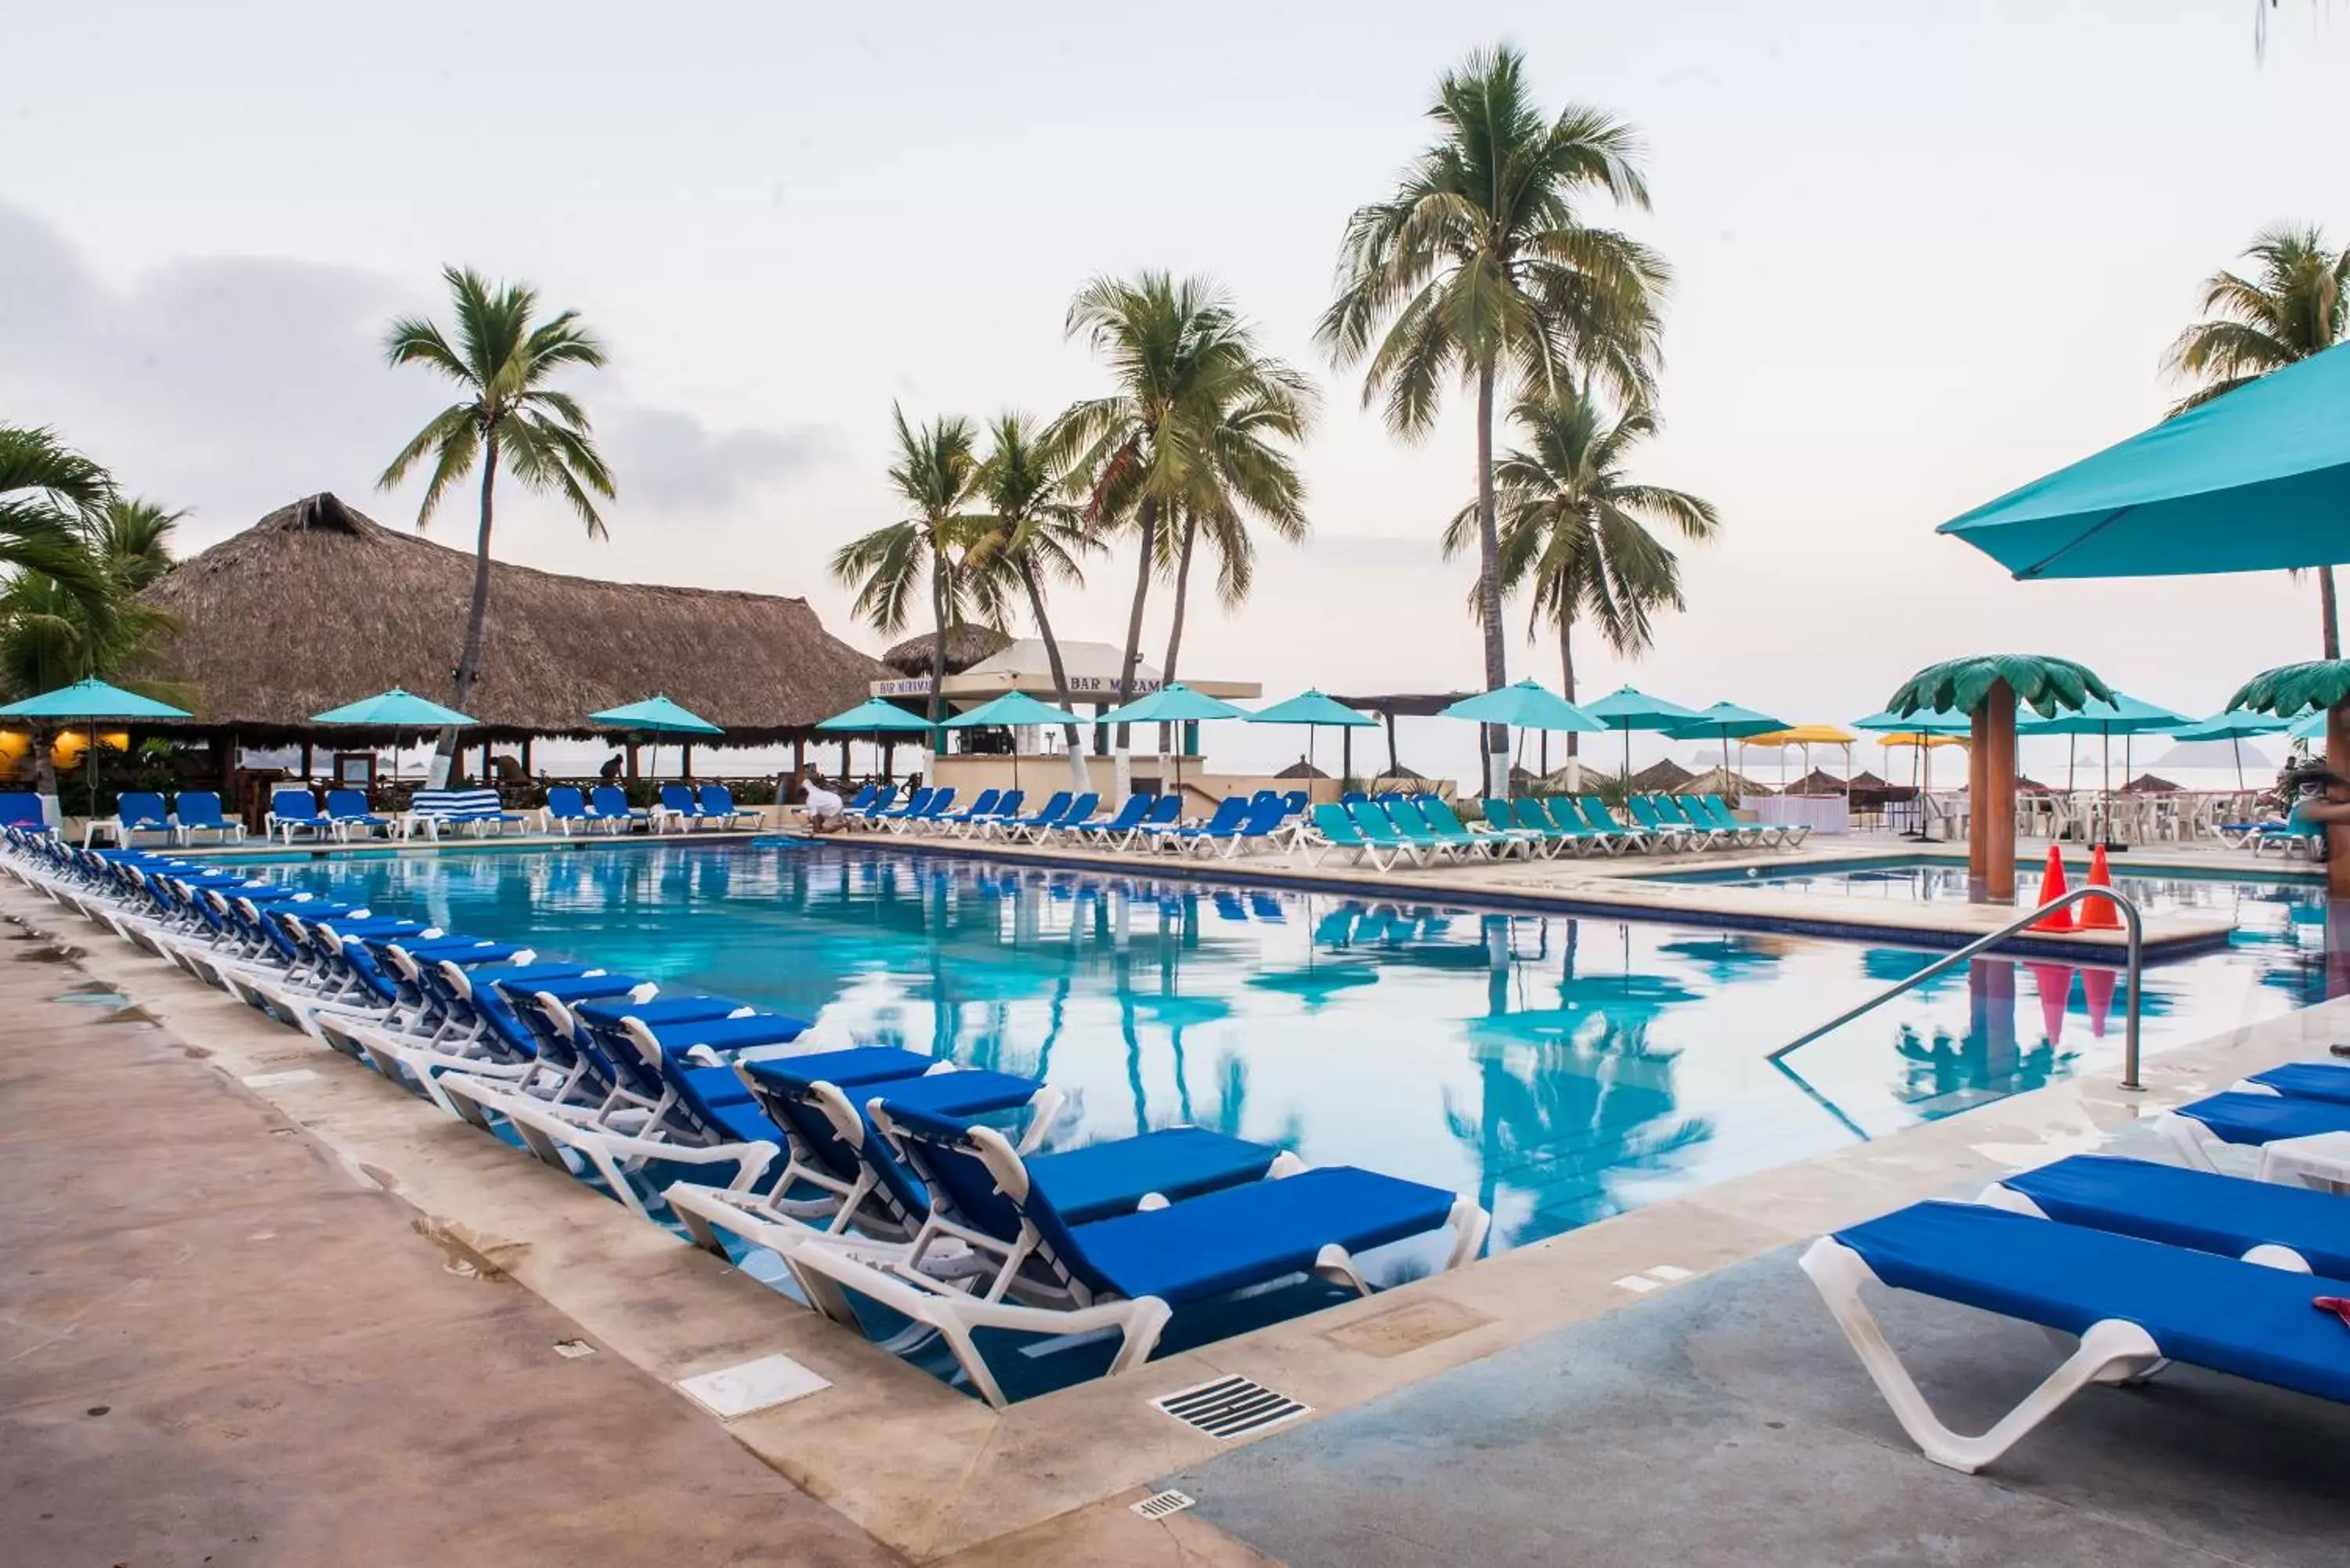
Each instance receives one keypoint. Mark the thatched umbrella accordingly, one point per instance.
(2324, 685)
(1987, 688)
(966, 646)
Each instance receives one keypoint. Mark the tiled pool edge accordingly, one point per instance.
(930, 1472)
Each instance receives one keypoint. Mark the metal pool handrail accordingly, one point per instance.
(2130, 920)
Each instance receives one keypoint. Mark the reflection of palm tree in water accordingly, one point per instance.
(1595, 1103)
(1231, 1117)
(1949, 1065)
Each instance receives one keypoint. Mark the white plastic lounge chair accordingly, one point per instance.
(2278, 1125)
(2259, 1221)
(1132, 1273)
(2134, 1303)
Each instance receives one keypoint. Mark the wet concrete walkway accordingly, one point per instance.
(217, 1346)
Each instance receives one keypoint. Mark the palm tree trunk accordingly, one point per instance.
(938, 704)
(468, 662)
(2330, 610)
(1489, 581)
(1053, 660)
(1566, 675)
(1190, 527)
(1148, 519)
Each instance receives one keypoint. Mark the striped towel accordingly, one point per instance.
(456, 805)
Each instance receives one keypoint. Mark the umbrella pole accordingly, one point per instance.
(89, 764)
(2236, 742)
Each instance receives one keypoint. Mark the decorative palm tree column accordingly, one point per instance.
(1987, 688)
(2294, 690)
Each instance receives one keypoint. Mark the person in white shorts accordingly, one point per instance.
(823, 806)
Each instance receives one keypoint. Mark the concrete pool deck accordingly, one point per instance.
(931, 1474)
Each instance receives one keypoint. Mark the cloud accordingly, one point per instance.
(669, 460)
(233, 384)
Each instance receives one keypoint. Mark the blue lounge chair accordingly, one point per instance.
(1294, 802)
(2296, 834)
(1128, 817)
(888, 817)
(2327, 1080)
(1165, 813)
(921, 811)
(348, 809)
(719, 809)
(608, 806)
(988, 804)
(21, 809)
(1129, 1274)
(138, 811)
(1178, 835)
(1254, 824)
(198, 811)
(1083, 813)
(2134, 1303)
(2268, 1122)
(294, 810)
(679, 808)
(1055, 806)
(871, 800)
(2261, 1222)
(564, 806)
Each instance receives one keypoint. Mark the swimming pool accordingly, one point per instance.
(1560, 1068)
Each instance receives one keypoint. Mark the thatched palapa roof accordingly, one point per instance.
(966, 646)
(316, 605)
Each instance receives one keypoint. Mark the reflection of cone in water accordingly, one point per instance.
(2097, 989)
(2054, 981)
(2052, 887)
(2098, 914)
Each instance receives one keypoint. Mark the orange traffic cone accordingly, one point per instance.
(2098, 914)
(2052, 887)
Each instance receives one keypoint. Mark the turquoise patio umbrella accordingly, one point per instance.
(92, 702)
(1315, 710)
(2232, 726)
(2253, 481)
(1627, 710)
(2125, 716)
(873, 717)
(655, 716)
(1012, 707)
(1527, 705)
(1941, 722)
(1177, 705)
(1727, 721)
(395, 709)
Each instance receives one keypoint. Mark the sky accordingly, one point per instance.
(1922, 255)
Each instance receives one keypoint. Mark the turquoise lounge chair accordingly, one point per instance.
(1333, 830)
(1372, 821)
(1672, 839)
(1446, 823)
(1586, 836)
(1769, 835)
(1596, 813)
(1411, 824)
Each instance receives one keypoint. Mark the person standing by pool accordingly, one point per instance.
(821, 803)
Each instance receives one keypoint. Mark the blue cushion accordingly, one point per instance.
(710, 1089)
(1107, 1179)
(852, 1068)
(606, 1014)
(2222, 1214)
(1250, 1235)
(2232, 1317)
(725, 1034)
(943, 1102)
(585, 986)
(2309, 1080)
(2262, 1118)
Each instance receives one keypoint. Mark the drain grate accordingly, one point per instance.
(1230, 1406)
(1160, 1504)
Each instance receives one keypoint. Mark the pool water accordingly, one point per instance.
(1560, 1068)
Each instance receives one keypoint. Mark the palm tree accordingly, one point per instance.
(48, 492)
(2295, 306)
(1247, 471)
(937, 475)
(1035, 535)
(502, 362)
(1482, 269)
(1576, 530)
(1180, 355)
